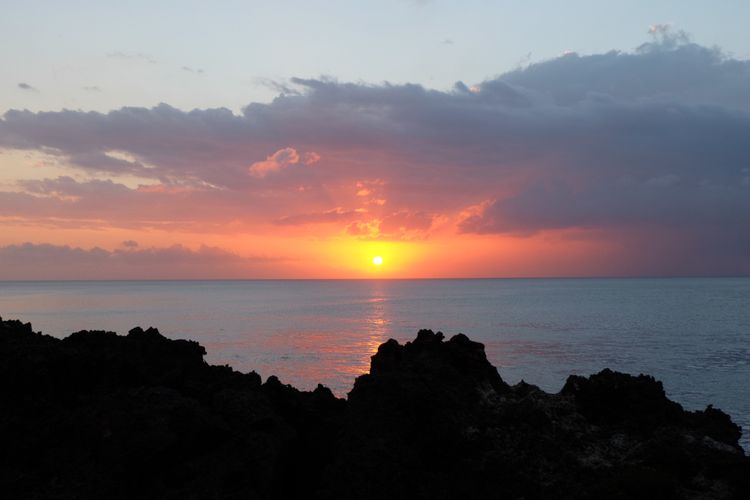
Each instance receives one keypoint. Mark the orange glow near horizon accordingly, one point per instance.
(282, 253)
(352, 254)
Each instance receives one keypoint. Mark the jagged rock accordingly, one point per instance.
(97, 415)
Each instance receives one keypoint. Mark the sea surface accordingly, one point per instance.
(692, 334)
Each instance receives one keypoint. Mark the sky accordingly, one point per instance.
(198, 140)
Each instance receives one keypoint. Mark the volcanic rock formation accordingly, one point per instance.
(97, 415)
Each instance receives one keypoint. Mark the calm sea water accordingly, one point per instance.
(693, 334)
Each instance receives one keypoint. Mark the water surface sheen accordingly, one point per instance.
(693, 334)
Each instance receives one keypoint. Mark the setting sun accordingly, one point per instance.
(377, 260)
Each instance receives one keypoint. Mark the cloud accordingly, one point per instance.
(403, 222)
(329, 216)
(45, 261)
(26, 86)
(648, 142)
(402, 225)
(98, 204)
(658, 29)
(131, 56)
(92, 88)
(665, 36)
(197, 71)
(310, 158)
(282, 159)
(664, 201)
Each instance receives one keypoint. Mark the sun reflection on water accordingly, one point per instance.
(319, 350)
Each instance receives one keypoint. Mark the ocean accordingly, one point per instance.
(693, 334)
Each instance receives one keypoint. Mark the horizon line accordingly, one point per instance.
(469, 278)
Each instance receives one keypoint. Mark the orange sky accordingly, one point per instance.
(266, 248)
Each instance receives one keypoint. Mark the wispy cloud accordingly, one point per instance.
(195, 71)
(132, 56)
(336, 215)
(665, 35)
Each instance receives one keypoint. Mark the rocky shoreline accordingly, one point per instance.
(99, 415)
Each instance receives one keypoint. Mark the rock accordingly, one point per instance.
(98, 415)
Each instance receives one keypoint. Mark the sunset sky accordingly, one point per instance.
(295, 139)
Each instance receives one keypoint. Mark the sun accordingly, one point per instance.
(377, 260)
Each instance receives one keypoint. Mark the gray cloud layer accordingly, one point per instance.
(34, 261)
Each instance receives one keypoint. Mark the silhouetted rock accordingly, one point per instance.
(97, 415)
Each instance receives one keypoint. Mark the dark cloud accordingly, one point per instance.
(92, 88)
(44, 261)
(26, 86)
(667, 200)
(654, 139)
(656, 74)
